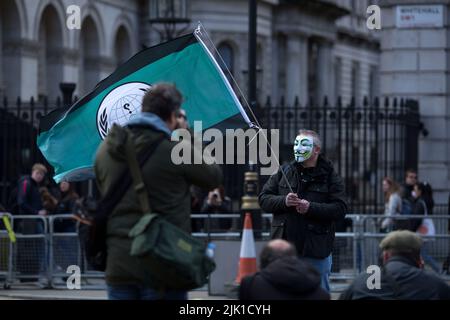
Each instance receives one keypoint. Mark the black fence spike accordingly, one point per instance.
(395, 102)
(282, 101)
(386, 102)
(18, 101)
(325, 101)
(376, 102)
(296, 102)
(32, 101)
(352, 102)
(268, 102)
(365, 101)
(339, 101)
(311, 101)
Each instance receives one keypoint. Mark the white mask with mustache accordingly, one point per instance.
(303, 148)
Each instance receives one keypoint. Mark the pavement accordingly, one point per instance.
(34, 292)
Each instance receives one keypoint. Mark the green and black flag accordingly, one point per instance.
(69, 137)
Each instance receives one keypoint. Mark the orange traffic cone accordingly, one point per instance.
(247, 260)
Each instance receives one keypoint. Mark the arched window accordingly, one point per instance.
(90, 54)
(226, 52)
(122, 46)
(50, 68)
(10, 65)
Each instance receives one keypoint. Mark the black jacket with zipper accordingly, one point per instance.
(312, 233)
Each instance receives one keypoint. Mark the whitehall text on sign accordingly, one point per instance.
(420, 16)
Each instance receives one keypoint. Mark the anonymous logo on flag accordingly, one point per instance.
(120, 105)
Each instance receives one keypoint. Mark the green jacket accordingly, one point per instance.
(168, 188)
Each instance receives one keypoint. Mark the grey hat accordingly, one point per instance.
(402, 241)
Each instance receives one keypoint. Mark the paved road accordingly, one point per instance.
(33, 292)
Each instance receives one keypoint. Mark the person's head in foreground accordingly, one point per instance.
(402, 276)
(164, 100)
(404, 244)
(282, 276)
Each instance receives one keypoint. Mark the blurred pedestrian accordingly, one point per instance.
(167, 184)
(423, 205)
(217, 202)
(306, 203)
(402, 276)
(66, 205)
(32, 260)
(28, 196)
(392, 203)
(408, 186)
(282, 276)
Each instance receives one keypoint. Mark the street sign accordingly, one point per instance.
(420, 16)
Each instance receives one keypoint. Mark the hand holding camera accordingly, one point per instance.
(214, 198)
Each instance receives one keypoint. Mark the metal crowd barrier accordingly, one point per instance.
(46, 246)
(435, 249)
(30, 250)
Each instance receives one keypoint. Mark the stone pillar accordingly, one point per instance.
(414, 65)
(71, 58)
(325, 72)
(296, 69)
(20, 63)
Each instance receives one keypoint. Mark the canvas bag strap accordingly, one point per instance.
(138, 183)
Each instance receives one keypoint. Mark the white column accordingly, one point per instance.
(325, 71)
(296, 69)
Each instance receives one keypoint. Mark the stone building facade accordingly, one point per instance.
(305, 49)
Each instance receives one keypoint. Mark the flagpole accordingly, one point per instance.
(197, 33)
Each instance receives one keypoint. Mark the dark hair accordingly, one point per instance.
(270, 254)
(410, 170)
(427, 195)
(162, 99)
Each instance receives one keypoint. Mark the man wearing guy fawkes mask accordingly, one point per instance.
(306, 215)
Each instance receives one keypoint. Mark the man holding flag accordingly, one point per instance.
(137, 95)
(167, 184)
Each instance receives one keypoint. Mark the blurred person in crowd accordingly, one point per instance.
(167, 184)
(408, 185)
(217, 202)
(282, 276)
(408, 200)
(402, 276)
(423, 205)
(32, 260)
(66, 205)
(446, 264)
(392, 203)
(28, 196)
(307, 198)
(65, 248)
(49, 201)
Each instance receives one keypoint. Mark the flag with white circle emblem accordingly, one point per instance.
(69, 137)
